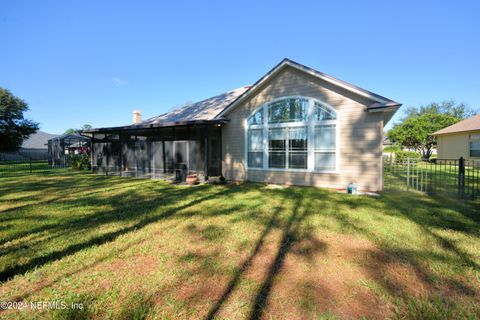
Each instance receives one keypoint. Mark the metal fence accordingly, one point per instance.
(26, 162)
(457, 177)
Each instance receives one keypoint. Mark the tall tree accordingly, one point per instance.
(415, 132)
(14, 128)
(450, 107)
(74, 131)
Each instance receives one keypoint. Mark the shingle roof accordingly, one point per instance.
(469, 124)
(38, 140)
(206, 109)
(211, 110)
(380, 102)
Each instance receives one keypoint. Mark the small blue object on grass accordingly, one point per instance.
(352, 188)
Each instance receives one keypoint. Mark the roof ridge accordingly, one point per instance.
(380, 102)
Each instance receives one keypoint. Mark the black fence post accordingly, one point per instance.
(30, 158)
(461, 177)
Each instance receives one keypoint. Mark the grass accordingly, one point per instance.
(141, 249)
(10, 168)
(441, 178)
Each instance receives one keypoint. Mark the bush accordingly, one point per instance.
(407, 154)
(81, 160)
(392, 148)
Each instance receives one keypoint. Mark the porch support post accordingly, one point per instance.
(220, 148)
(164, 162)
(188, 150)
(120, 137)
(205, 151)
(91, 152)
(135, 154)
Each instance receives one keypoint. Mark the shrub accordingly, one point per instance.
(392, 148)
(80, 160)
(407, 154)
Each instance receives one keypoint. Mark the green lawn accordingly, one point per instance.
(132, 249)
(429, 177)
(10, 168)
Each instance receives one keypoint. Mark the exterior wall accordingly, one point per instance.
(455, 145)
(360, 135)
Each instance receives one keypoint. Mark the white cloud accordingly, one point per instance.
(119, 81)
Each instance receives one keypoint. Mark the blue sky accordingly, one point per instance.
(93, 62)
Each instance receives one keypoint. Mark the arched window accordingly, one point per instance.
(292, 133)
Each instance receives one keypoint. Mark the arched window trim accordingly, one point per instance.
(310, 124)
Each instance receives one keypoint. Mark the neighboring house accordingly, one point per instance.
(36, 146)
(37, 141)
(295, 125)
(460, 140)
(60, 146)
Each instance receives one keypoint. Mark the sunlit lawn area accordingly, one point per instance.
(132, 249)
(10, 168)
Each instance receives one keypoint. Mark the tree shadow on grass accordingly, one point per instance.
(431, 215)
(142, 210)
(292, 232)
(90, 197)
(233, 283)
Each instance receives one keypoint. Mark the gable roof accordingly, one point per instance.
(38, 140)
(207, 109)
(211, 110)
(379, 102)
(469, 124)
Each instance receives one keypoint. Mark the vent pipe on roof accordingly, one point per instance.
(137, 116)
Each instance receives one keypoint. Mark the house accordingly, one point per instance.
(460, 140)
(295, 125)
(35, 146)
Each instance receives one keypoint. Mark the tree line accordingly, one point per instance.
(14, 126)
(415, 129)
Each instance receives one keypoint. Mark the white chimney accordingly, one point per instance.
(137, 116)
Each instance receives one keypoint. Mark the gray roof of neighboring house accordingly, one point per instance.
(469, 124)
(206, 109)
(38, 140)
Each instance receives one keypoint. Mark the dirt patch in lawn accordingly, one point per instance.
(280, 276)
(138, 265)
(318, 275)
(298, 280)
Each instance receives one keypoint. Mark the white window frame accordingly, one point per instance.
(310, 124)
(473, 138)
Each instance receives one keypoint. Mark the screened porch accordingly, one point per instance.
(170, 153)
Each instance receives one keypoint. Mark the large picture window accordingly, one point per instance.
(293, 133)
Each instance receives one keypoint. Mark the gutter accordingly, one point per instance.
(157, 125)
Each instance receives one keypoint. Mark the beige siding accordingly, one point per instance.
(455, 145)
(361, 135)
